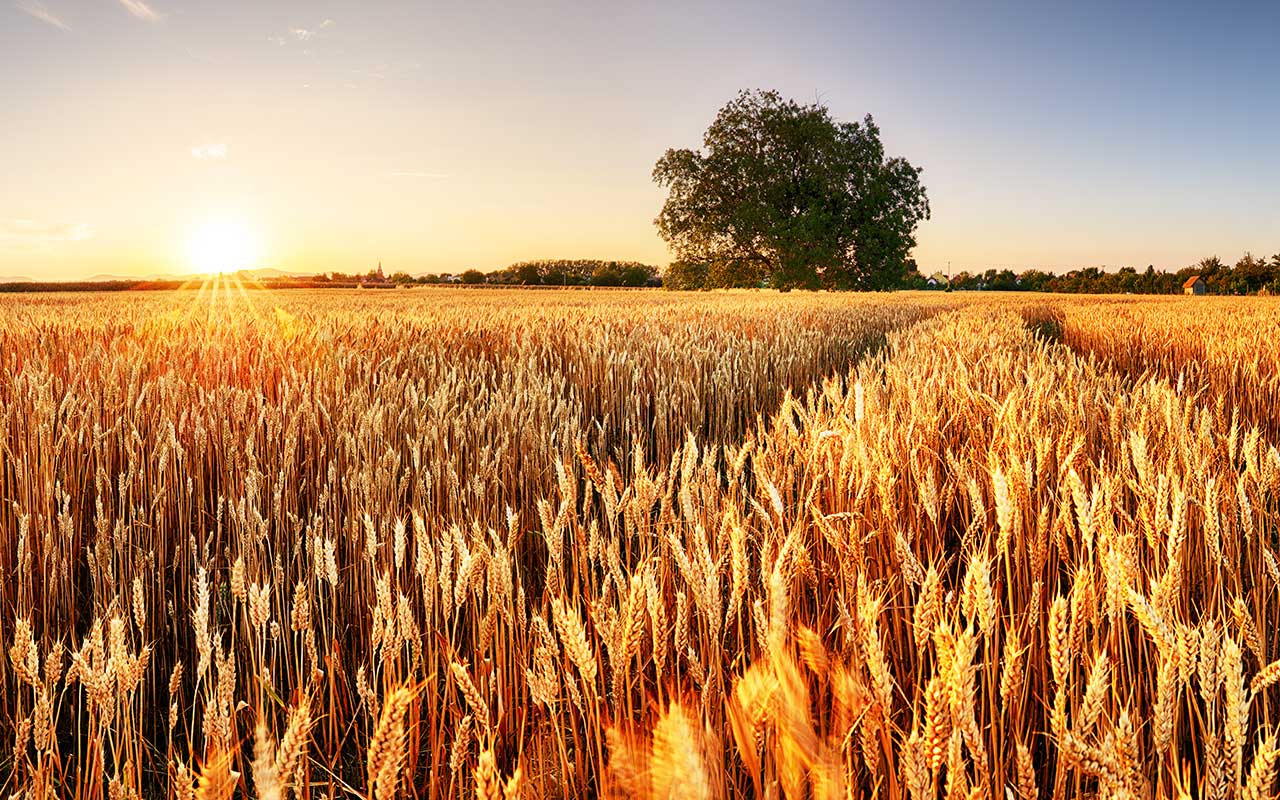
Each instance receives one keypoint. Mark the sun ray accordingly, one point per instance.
(257, 315)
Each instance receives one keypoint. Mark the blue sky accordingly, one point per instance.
(438, 137)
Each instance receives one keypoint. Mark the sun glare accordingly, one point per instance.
(222, 246)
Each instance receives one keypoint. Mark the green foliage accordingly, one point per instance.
(472, 277)
(577, 272)
(526, 274)
(685, 275)
(1250, 275)
(784, 194)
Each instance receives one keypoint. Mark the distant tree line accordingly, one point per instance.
(562, 272)
(552, 272)
(547, 272)
(1249, 275)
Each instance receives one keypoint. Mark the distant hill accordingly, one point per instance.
(263, 274)
(108, 278)
(256, 274)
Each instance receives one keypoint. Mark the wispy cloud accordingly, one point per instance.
(38, 10)
(213, 151)
(416, 174)
(306, 34)
(31, 235)
(141, 10)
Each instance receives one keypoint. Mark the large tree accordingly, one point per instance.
(783, 192)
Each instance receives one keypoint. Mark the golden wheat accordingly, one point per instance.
(444, 543)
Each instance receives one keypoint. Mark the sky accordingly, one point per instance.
(144, 137)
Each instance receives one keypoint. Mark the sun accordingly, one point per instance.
(222, 246)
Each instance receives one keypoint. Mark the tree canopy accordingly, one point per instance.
(783, 194)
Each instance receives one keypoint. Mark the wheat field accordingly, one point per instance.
(500, 544)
